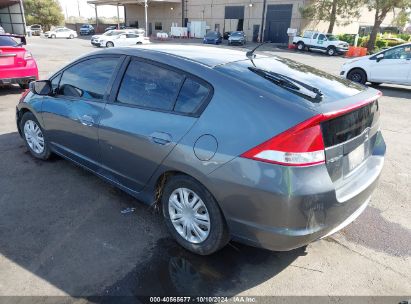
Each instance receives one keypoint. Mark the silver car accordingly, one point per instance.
(232, 145)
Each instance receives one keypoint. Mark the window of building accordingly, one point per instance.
(158, 26)
(149, 86)
(88, 79)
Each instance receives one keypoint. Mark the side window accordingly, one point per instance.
(88, 79)
(55, 82)
(191, 97)
(398, 53)
(321, 37)
(132, 36)
(149, 86)
(315, 36)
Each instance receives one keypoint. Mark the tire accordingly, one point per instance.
(71, 36)
(109, 44)
(37, 149)
(300, 46)
(53, 37)
(24, 86)
(138, 43)
(357, 75)
(214, 233)
(331, 51)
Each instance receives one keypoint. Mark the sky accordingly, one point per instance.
(87, 10)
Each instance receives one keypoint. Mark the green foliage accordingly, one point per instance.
(323, 10)
(382, 7)
(44, 12)
(381, 43)
(406, 37)
(401, 19)
(347, 38)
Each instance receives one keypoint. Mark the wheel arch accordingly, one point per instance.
(161, 182)
(358, 68)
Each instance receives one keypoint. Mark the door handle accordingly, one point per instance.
(87, 120)
(161, 138)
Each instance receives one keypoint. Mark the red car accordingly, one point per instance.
(17, 65)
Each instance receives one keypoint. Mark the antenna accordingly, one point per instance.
(250, 54)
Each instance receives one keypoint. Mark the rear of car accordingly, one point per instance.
(316, 171)
(86, 29)
(212, 38)
(17, 65)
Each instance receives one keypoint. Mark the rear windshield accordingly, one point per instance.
(7, 41)
(211, 34)
(332, 87)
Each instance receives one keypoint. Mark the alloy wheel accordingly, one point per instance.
(34, 136)
(189, 215)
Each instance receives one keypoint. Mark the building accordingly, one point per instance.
(12, 17)
(266, 20)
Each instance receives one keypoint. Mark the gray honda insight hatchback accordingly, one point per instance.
(233, 145)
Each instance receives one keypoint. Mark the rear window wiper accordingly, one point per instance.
(295, 86)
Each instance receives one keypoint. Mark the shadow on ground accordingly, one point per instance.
(65, 226)
(10, 90)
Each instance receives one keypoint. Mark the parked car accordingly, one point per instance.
(36, 29)
(87, 29)
(2, 31)
(17, 64)
(110, 28)
(317, 41)
(61, 32)
(111, 38)
(237, 38)
(392, 65)
(226, 35)
(125, 39)
(213, 38)
(296, 158)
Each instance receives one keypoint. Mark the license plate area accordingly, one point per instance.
(356, 157)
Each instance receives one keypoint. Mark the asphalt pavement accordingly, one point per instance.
(62, 231)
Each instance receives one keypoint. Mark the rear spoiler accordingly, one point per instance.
(21, 37)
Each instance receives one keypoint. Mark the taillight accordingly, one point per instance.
(303, 144)
(28, 55)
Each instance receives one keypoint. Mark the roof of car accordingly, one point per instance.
(206, 55)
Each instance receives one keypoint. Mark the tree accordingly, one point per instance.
(44, 12)
(382, 7)
(401, 19)
(329, 10)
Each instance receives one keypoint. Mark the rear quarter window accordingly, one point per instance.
(192, 97)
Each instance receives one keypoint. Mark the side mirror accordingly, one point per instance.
(41, 87)
(379, 57)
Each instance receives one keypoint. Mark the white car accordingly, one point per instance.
(61, 32)
(125, 39)
(95, 40)
(2, 31)
(321, 42)
(392, 65)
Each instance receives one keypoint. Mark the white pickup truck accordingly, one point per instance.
(322, 42)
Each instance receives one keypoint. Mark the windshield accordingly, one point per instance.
(237, 34)
(7, 41)
(332, 38)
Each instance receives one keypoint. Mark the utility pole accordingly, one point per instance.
(118, 17)
(262, 21)
(95, 8)
(78, 7)
(145, 11)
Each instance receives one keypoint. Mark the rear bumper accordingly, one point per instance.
(281, 208)
(342, 50)
(20, 75)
